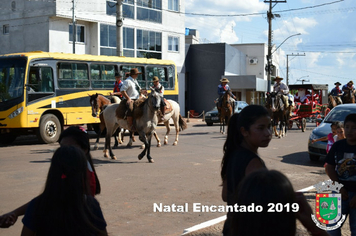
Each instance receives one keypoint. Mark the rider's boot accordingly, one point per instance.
(130, 124)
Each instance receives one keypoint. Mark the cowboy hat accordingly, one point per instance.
(337, 83)
(278, 78)
(224, 80)
(134, 71)
(119, 74)
(155, 79)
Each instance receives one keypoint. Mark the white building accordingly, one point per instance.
(151, 28)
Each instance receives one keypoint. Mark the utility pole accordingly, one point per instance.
(288, 64)
(119, 23)
(74, 27)
(269, 66)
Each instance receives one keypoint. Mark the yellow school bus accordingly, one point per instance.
(41, 92)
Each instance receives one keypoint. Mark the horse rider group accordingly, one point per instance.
(339, 94)
(130, 90)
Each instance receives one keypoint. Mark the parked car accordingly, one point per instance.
(212, 116)
(338, 113)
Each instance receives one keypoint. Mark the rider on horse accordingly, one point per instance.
(347, 87)
(337, 93)
(130, 90)
(222, 89)
(160, 90)
(118, 84)
(282, 88)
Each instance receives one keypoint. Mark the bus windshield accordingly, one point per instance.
(12, 75)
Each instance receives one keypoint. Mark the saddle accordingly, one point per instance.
(168, 108)
(136, 106)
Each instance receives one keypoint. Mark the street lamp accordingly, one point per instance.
(285, 40)
(269, 59)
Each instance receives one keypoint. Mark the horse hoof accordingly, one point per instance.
(140, 157)
(175, 144)
(95, 147)
(151, 161)
(165, 143)
(158, 145)
(114, 158)
(142, 146)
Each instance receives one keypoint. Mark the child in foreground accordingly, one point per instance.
(341, 167)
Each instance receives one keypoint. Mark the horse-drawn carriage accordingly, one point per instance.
(311, 101)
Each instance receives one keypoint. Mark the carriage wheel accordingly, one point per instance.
(304, 124)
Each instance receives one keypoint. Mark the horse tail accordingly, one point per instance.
(182, 123)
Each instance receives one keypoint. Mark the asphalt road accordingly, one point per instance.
(183, 174)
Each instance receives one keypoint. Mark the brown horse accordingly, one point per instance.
(225, 111)
(98, 103)
(349, 96)
(333, 101)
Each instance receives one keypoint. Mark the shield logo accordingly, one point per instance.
(328, 207)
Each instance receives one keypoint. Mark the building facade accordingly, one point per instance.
(151, 28)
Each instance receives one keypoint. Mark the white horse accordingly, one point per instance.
(145, 124)
(178, 122)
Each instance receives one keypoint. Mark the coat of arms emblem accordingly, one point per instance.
(328, 215)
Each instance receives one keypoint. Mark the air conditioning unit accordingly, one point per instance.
(253, 61)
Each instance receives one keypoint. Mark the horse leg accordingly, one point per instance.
(96, 146)
(176, 125)
(167, 133)
(157, 138)
(115, 138)
(129, 144)
(149, 158)
(142, 137)
(101, 128)
(108, 147)
(120, 136)
(275, 123)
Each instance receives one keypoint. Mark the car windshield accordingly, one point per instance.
(339, 114)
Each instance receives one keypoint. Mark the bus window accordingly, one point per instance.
(171, 77)
(41, 80)
(102, 76)
(141, 79)
(73, 75)
(163, 73)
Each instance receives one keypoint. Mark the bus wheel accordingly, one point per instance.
(7, 138)
(50, 129)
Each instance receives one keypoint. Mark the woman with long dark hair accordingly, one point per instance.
(66, 206)
(247, 131)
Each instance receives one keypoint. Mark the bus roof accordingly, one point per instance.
(86, 57)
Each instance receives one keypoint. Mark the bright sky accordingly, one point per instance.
(327, 27)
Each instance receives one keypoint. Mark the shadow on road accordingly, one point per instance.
(301, 158)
